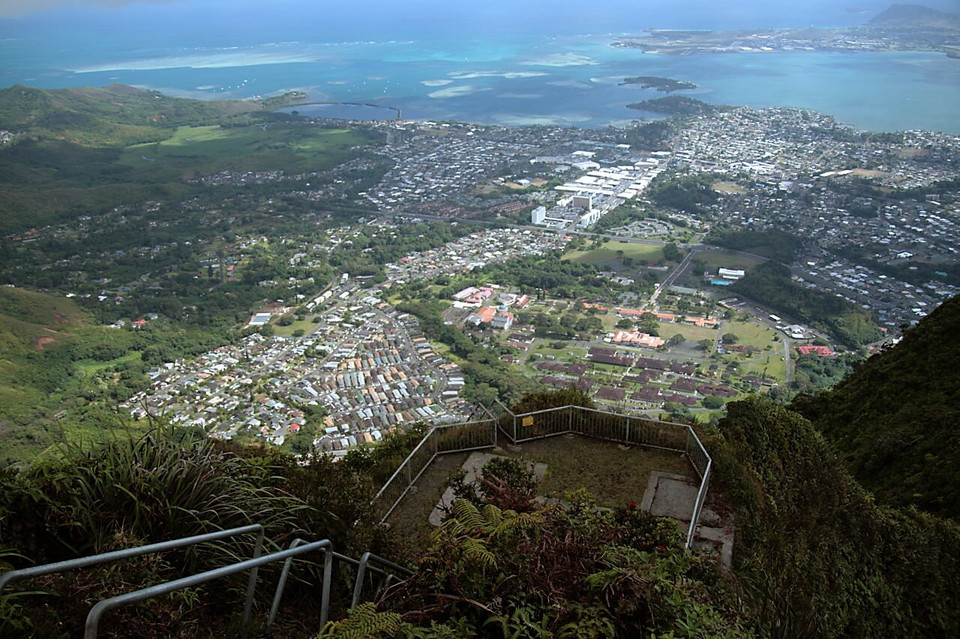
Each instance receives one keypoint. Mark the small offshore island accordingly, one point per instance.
(663, 85)
(674, 105)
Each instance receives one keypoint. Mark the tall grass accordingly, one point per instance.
(164, 485)
(167, 484)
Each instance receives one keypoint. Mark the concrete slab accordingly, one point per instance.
(719, 540)
(474, 464)
(670, 495)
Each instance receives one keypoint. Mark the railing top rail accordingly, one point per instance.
(698, 506)
(487, 410)
(505, 408)
(478, 422)
(543, 411)
(116, 555)
(636, 417)
(93, 618)
(700, 445)
(405, 461)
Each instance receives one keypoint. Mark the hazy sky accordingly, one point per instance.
(715, 10)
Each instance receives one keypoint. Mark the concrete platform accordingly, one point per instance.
(673, 496)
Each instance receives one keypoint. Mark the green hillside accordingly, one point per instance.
(815, 555)
(895, 418)
(58, 370)
(84, 151)
(116, 115)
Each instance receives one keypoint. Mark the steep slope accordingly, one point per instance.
(895, 418)
(815, 554)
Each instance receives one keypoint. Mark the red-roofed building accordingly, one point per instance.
(483, 316)
(819, 351)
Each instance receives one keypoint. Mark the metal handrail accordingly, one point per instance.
(116, 555)
(402, 465)
(93, 619)
(12, 576)
(362, 569)
(698, 505)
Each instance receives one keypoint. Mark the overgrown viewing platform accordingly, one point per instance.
(612, 456)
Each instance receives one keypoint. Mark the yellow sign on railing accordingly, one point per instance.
(527, 421)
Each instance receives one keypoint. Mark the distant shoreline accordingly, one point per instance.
(846, 40)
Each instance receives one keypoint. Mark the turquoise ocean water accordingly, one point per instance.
(504, 77)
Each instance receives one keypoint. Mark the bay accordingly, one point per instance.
(503, 78)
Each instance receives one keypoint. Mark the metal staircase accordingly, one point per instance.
(388, 571)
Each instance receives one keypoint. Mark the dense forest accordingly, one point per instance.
(770, 284)
(894, 418)
(674, 105)
(772, 243)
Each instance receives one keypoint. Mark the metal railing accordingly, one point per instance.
(13, 576)
(551, 422)
(297, 548)
(439, 440)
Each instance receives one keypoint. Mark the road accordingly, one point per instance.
(786, 359)
(526, 354)
(671, 278)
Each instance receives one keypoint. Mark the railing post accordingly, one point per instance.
(570, 418)
(436, 440)
(251, 587)
(629, 420)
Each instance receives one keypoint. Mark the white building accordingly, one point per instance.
(731, 274)
(538, 214)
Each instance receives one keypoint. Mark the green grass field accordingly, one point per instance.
(608, 253)
(89, 367)
(773, 365)
(690, 333)
(89, 150)
(286, 331)
(208, 149)
(719, 259)
(726, 187)
(751, 334)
